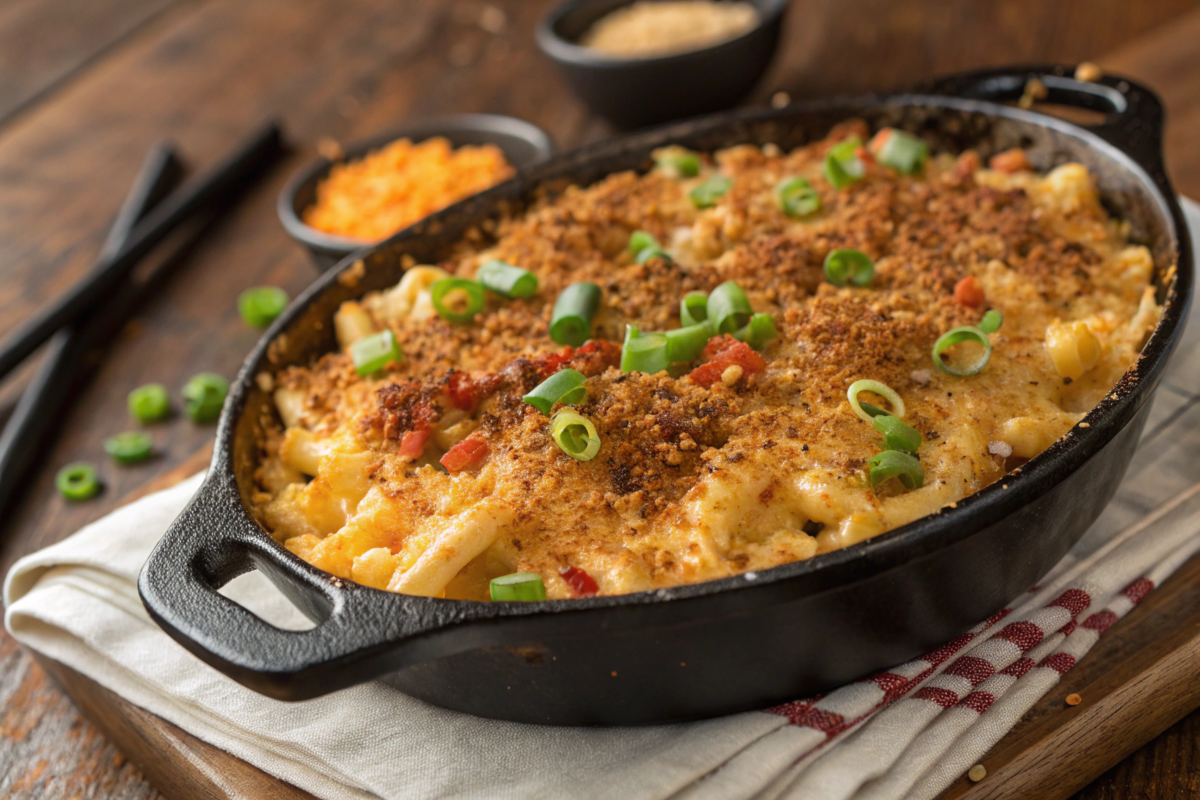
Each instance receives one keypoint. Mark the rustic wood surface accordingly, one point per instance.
(87, 85)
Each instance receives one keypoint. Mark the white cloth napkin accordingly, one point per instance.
(908, 732)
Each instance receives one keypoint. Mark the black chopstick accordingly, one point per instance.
(37, 413)
(207, 190)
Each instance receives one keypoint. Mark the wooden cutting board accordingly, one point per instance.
(1137, 681)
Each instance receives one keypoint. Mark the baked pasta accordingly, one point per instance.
(730, 362)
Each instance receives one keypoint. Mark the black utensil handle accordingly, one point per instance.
(1133, 114)
(358, 632)
(236, 172)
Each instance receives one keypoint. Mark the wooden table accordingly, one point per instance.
(87, 85)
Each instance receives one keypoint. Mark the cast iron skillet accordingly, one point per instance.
(712, 648)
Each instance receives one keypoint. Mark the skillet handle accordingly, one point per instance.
(361, 633)
(1133, 114)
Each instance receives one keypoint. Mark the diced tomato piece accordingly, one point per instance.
(1010, 161)
(738, 353)
(716, 345)
(462, 391)
(864, 155)
(580, 581)
(968, 292)
(413, 443)
(468, 453)
(548, 363)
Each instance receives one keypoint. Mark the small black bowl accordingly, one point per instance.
(634, 92)
(523, 144)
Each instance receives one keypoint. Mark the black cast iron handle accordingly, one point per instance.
(1133, 115)
(358, 628)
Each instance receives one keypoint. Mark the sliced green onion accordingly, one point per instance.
(682, 163)
(758, 331)
(129, 447)
(956, 336)
(842, 166)
(894, 464)
(472, 292)
(705, 195)
(728, 309)
(639, 241)
(204, 395)
(372, 353)
(262, 304)
(849, 266)
(652, 252)
(881, 389)
(693, 309)
(903, 152)
(564, 386)
(149, 403)
(991, 321)
(520, 586)
(507, 280)
(644, 353)
(575, 435)
(797, 198)
(686, 344)
(571, 322)
(897, 434)
(77, 481)
(873, 411)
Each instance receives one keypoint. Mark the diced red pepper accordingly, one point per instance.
(413, 443)
(462, 391)
(879, 140)
(738, 353)
(1010, 161)
(468, 453)
(548, 363)
(580, 581)
(864, 155)
(716, 345)
(968, 292)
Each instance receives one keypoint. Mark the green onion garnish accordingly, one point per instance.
(507, 280)
(575, 435)
(372, 353)
(77, 481)
(686, 344)
(903, 152)
(520, 586)
(881, 389)
(897, 434)
(991, 321)
(571, 321)
(728, 309)
(894, 464)
(639, 241)
(129, 447)
(652, 252)
(956, 336)
(757, 332)
(204, 395)
(149, 403)
(849, 266)
(644, 353)
(261, 305)
(564, 386)
(797, 197)
(842, 166)
(682, 163)
(693, 309)
(705, 194)
(471, 293)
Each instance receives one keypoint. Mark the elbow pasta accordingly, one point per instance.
(694, 481)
